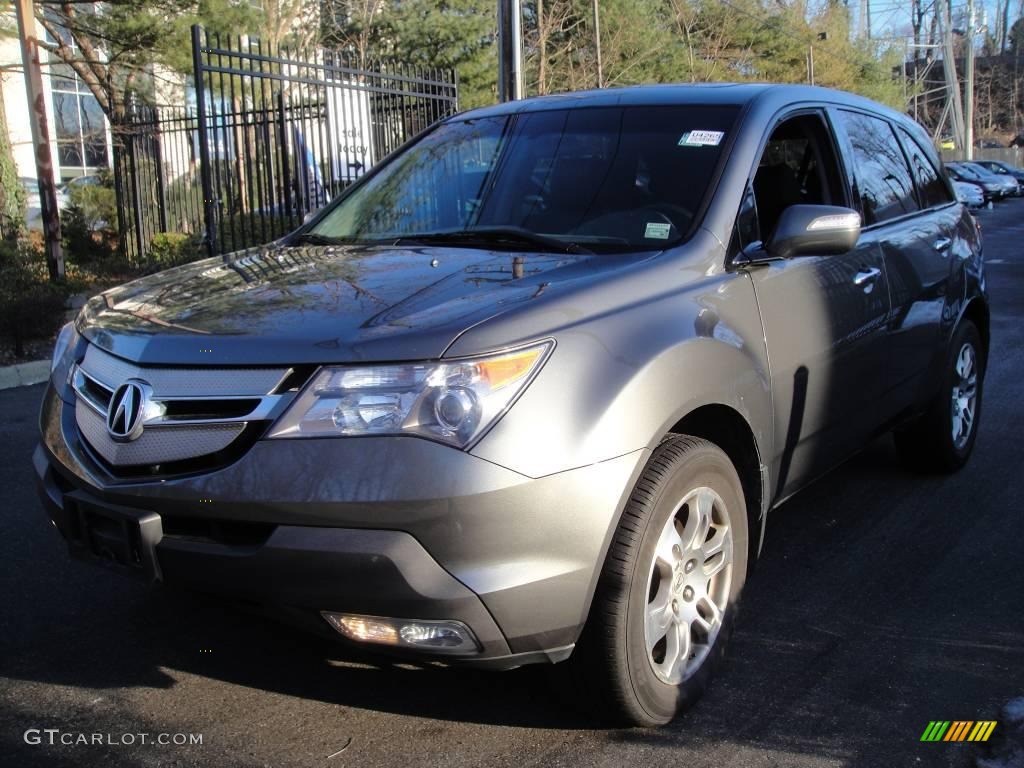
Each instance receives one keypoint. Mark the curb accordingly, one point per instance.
(23, 374)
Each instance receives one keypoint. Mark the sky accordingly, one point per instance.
(891, 18)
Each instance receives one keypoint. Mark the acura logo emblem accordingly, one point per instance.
(126, 410)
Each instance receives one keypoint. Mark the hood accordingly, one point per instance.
(322, 304)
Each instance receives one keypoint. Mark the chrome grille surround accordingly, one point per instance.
(168, 383)
(167, 438)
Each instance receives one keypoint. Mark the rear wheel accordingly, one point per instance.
(942, 439)
(667, 594)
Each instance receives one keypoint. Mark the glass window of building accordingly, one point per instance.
(79, 124)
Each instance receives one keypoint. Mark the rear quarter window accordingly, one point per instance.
(930, 184)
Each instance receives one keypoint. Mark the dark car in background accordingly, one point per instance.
(999, 168)
(528, 391)
(994, 188)
(1009, 181)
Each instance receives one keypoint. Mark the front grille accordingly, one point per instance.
(156, 445)
(189, 414)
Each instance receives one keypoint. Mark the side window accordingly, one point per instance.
(884, 180)
(929, 182)
(798, 166)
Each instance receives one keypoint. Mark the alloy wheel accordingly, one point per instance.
(688, 586)
(964, 395)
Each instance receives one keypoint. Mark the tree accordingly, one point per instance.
(441, 34)
(354, 26)
(1016, 36)
(655, 41)
(12, 196)
(116, 48)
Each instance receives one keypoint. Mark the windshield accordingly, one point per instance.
(604, 179)
(966, 172)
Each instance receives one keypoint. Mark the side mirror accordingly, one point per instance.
(814, 230)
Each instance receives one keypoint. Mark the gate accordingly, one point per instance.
(267, 139)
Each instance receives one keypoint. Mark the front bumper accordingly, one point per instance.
(395, 527)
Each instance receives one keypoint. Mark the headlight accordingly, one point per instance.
(63, 355)
(453, 401)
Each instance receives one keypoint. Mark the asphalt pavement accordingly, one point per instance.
(883, 600)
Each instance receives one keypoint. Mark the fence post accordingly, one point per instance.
(121, 194)
(209, 212)
(158, 160)
(286, 180)
(133, 170)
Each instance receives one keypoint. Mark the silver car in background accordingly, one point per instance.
(971, 195)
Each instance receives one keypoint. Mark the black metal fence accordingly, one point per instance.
(263, 139)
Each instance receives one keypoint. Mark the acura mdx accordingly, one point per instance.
(529, 390)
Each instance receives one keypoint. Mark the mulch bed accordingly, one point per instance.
(37, 349)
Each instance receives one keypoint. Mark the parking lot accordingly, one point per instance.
(883, 600)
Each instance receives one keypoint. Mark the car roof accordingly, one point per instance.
(737, 94)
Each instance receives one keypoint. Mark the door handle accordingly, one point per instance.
(942, 244)
(866, 276)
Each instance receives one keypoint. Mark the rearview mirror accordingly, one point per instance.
(814, 230)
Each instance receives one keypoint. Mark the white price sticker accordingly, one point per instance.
(657, 230)
(701, 139)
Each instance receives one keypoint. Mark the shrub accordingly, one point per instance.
(88, 226)
(30, 307)
(12, 196)
(169, 249)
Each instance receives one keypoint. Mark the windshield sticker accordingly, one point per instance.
(701, 139)
(657, 230)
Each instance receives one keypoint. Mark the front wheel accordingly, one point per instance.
(667, 594)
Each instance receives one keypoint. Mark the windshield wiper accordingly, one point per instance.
(496, 236)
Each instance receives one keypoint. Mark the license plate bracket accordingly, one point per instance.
(119, 537)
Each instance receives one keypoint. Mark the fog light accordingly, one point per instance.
(365, 629)
(437, 636)
(433, 635)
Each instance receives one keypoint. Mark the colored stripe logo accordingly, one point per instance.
(958, 730)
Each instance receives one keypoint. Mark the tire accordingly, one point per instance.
(643, 574)
(929, 444)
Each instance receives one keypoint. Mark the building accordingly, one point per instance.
(79, 133)
(80, 141)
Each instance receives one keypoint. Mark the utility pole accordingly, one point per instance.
(510, 50)
(953, 101)
(597, 45)
(969, 83)
(40, 137)
(864, 20)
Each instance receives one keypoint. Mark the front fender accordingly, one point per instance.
(618, 381)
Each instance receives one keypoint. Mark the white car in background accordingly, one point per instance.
(33, 206)
(970, 195)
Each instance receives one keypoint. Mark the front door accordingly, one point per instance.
(824, 316)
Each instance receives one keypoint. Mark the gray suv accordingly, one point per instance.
(529, 390)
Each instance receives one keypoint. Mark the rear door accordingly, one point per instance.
(906, 205)
(921, 279)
